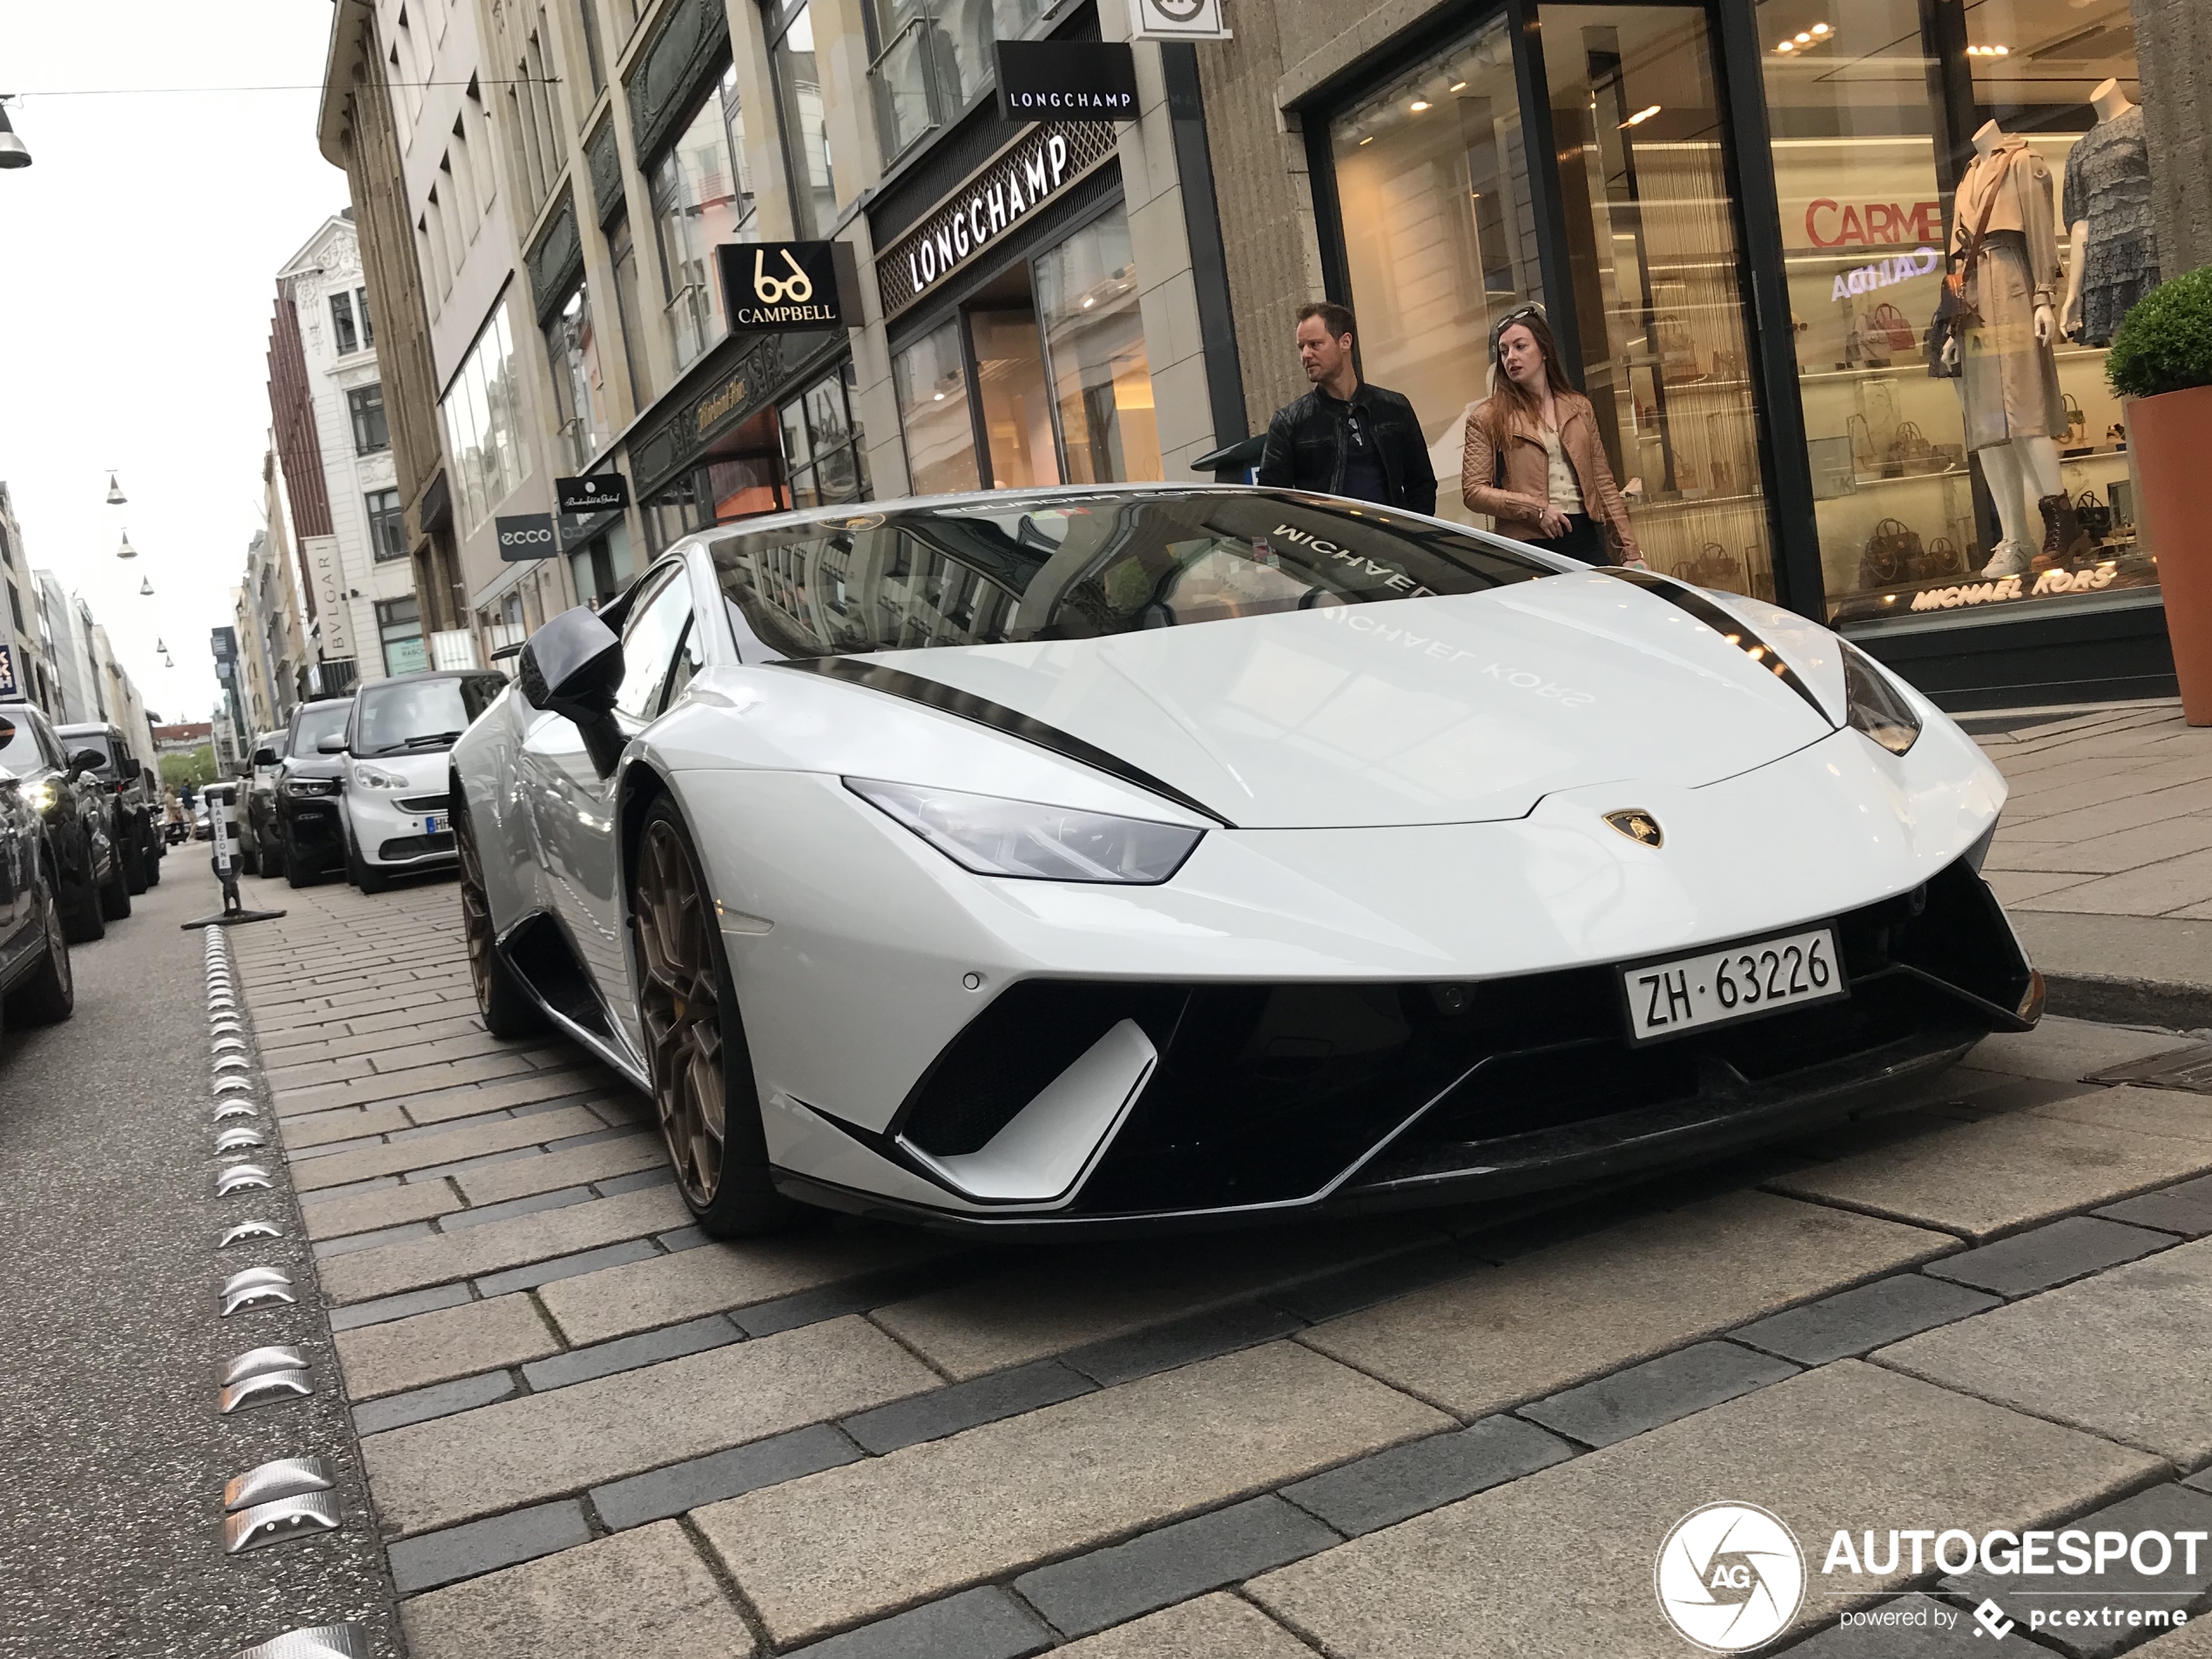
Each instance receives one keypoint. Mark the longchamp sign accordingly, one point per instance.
(1037, 167)
(1067, 80)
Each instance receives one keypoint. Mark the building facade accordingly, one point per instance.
(1736, 217)
(326, 396)
(28, 671)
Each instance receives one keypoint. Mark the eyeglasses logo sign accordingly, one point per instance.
(1638, 825)
(1730, 1577)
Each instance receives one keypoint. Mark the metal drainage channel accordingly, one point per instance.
(291, 1497)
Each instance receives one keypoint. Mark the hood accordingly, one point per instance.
(1449, 710)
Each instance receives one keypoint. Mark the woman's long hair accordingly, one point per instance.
(1521, 404)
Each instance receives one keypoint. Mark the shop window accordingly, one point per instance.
(482, 418)
(603, 569)
(934, 58)
(1016, 403)
(365, 406)
(1102, 379)
(387, 524)
(399, 626)
(1934, 494)
(1439, 235)
(701, 196)
(1656, 271)
(344, 338)
(931, 380)
(798, 94)
(824, 455)
(579, 390)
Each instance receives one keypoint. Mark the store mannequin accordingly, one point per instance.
(2112, 259)
(2008, 385)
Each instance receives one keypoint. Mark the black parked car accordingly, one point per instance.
(310, 839)
(258, 851)
(79, 814)
(35, 985)
(137, 833)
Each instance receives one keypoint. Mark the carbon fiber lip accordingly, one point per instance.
(894, 682)
(1738, 633)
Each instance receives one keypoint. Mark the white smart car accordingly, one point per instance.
(393, 808)
(1097, 859)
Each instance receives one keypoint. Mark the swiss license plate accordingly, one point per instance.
(1716, 987)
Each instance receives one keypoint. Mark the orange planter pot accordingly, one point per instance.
(2172, 437)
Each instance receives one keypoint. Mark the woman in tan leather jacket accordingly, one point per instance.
(1554, 489)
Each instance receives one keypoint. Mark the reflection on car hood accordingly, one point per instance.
(1449, 710)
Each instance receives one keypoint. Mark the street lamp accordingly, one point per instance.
(14, 153)
(126, 551)
(158, 646)
(114, 495)
(146, 587)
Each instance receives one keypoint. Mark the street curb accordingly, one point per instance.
(2176, 1006)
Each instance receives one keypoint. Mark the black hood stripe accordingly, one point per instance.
(945, 699)
(1738, 632)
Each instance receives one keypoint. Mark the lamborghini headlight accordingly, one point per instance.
(1875, 706)
(994, 836)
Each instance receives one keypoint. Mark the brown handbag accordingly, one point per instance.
(1891, 554)
(1953, 314)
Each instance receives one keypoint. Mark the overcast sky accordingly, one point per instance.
(139, 255)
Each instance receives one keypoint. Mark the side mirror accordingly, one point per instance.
(264, 757)
(572, 667)
(86, 760)
(332, 744)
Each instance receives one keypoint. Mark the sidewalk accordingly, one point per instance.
(2104, 856)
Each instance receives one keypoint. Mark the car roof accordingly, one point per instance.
(86, 728)
(435, 674)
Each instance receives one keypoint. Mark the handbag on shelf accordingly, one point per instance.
(1676, 346)
(1912, 452)
(1941, 559)
(2077, 423)
(2095, 516)
(1953, 316)
(1892, 552)
(1712, 568)
(1866, 344)
(1890, 323)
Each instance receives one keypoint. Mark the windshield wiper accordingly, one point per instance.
(425, 740)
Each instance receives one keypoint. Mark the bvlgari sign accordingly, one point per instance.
(1038, 166)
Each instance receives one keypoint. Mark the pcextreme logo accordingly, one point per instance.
(1730, 1576)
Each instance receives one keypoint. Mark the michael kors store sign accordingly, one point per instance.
(1040, 164)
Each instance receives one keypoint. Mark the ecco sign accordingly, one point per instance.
(778, 287)
(1067, 80)
(526, 535)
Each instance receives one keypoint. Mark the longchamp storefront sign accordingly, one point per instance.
(1067, 80)
(1037, 167)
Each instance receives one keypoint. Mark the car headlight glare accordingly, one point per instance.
(297, 787)
(40, 795)
(369, 777)
(994, 836)
(1874, 705)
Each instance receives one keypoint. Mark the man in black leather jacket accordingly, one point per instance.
(1344, 437)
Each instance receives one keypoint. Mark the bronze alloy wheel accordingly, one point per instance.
(680, 1006)
(508, 1007)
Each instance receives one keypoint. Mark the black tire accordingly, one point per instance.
(726, 1183)
(151, 862)
(134, 868)
(115, 897)
(49, 996)
(365, 876)
(297, 871)
(509, 1011)
(271, 858)
(247, 863)
(82, 919)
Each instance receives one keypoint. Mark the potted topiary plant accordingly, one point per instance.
(2161, 360)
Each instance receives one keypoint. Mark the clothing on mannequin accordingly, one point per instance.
(2112, 259)
(2009, 383)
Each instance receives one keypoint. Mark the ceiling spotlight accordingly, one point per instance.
(14, 153)
(1801, 38)
(1369, 139)
(1820, 29)
(1419, 105)
(1791, 45)
(126, 551)
(1641, 116)
(114, 495)
(146, 587)
(1459, 87)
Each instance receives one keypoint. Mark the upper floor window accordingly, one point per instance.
(579, 389)
(344, 337)
(799, 98)
(387, 524)
(934, 58)
(483, 420)
(365, 404)
(361, 310)
(701, 196)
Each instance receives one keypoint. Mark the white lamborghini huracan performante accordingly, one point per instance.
(1150, 855)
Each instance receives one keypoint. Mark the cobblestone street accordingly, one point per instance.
(587, 1430)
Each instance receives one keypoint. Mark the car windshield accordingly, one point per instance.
(1078, 567)
(316, 725)
(18, 745)
(400, 715)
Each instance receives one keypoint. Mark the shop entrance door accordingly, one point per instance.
(1653, 239)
